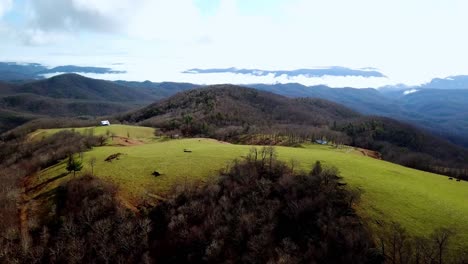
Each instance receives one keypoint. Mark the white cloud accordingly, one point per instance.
(38, 37)
(175, 20)
(107, 8)
(53, 21)
(73, 15)
(411, 41)
(410, 91)
(5, 6)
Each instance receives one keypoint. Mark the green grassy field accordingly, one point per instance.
(418, 200)
(133, 132)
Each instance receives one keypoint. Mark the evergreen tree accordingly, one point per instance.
(317, 170)
(73, 165)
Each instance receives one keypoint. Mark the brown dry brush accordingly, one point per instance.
(20, 158)
(261, 212)
(399, 247)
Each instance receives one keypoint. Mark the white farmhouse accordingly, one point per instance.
(105, 123)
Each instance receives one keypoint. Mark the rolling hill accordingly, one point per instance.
(424, 202)
(46, 106)
(440, 111)
(366, 101)
(224, 105)
(444, 112)
(74, 86)
(230, 112)
(161, 90)
(68, 95)
(72, 95)
(437, 111)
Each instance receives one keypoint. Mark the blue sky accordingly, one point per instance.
(409, 41)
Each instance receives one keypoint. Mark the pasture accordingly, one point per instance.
(418, 200)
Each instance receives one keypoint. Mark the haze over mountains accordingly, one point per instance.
(13, 71)
(340, 114)
(72, 95)
(410, 126)
(335, 76)
(441, 111)
(318, 72)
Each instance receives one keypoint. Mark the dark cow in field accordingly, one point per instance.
(450, 178)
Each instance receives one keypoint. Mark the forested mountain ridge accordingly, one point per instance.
(440, 111)
(242, 105)
(74, 86)
(72, 95)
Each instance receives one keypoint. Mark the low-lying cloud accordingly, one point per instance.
(331, 76)
(315, 72)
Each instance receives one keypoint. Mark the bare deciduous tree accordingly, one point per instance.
(441, 238)
(92, 163)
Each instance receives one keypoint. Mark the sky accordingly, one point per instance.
(409, 41)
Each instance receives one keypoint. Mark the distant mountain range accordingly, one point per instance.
(72, 95)
(444, 112)
(319, 72)
(12, 71)
(341, 114)
(449, 83)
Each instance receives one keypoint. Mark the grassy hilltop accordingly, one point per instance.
(420, 201)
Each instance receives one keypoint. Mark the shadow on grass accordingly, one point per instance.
(45, 195)
(41, 185)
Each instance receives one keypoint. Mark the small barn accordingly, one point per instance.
(105, 123)
(321, 141)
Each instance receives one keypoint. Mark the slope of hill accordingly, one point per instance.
(403, 143)
(228, 105)
(72, 95)
(11, 119)
(35, 104)
(366, 101)
(68, 95)
(437, 103)
(230, 112)
(5, 88)
(74, 86)
(442, 112)
(160, 90)
(425, 202)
